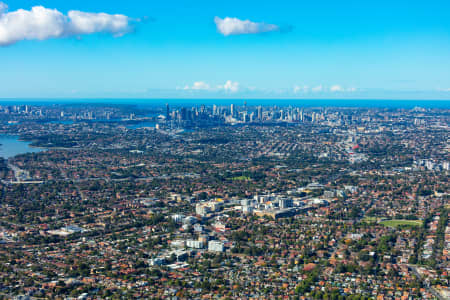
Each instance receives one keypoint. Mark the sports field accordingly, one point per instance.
(396, 223)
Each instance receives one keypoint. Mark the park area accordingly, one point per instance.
(397, 223)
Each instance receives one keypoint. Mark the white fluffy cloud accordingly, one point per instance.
(88, 23)
(199, 85)
(299, 89)
(37, 24)
(320, 88)
(42, 23)
(338, 88)
(234, 26)
(229, 86)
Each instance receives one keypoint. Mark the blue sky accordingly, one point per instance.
(176, 49)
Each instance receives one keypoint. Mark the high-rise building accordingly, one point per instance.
(216, 246)
(259, 116)
(183, 113)
(194, 244)
(167, 111)
(232, 110)
(245, 117)
(285, 203)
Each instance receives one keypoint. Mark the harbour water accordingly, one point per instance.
(142, 125)
(11, 146)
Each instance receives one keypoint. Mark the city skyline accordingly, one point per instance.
(231, 50)
(225, 149)
(106, 200)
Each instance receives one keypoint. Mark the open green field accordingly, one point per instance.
(242, 178)
(396, 223)
(370, 219)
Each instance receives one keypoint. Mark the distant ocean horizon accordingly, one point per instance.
(143, 102)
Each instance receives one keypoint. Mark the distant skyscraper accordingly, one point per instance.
(259, 116)
(245, 117)
(232, 110)
(183, 113)
(167, 111)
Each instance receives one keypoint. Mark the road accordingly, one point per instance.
(19, 174)
(426, 285)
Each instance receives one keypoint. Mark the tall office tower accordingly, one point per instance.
(214, 110)
(244, 117)
(183, 113)
(259, 113)
(232, 110)
(167, 111)
(245, 105)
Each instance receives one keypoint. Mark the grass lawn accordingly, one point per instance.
(370, 219)
(396, 223)
(242, 178)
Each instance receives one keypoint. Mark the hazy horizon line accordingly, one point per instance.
(201, 98)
